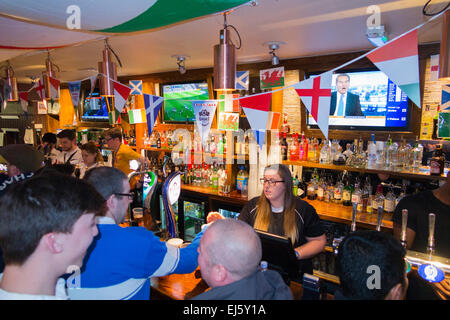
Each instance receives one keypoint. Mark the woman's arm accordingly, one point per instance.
(314, 246)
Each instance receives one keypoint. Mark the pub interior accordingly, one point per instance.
(353, 100)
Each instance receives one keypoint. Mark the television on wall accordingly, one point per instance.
(178, 100)
(373, 102)
(94, 108)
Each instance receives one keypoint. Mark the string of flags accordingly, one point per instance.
(392, 58)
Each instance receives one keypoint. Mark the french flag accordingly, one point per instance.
(399, 60)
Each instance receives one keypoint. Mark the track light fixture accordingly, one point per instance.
(181, 62)
(273, 47)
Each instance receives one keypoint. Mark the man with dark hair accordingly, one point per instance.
(121, 261)
(122, 152)
(229, 256)
(46, 225)
(70, 154)
(371, 266)
(22, 161)
(344, 103)
(48, 147)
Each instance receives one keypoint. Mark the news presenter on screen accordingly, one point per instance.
(344, 103)
(279, 212)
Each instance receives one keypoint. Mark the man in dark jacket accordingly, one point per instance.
(229, 256)
(343, 102)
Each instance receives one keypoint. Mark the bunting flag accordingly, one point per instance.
(23, 97)
(136, 87)
(256, 109)
(242, 79)
(54, 87)
(271, 78)
(445, 98)
(121, 93)
(114, 117)
(434, 67)
(316, 96)
(204, 111)
(74, 89)
(399, 60)
(273, 120)
(137, 116)
(152, 107)
(228, 103)
(40, 89)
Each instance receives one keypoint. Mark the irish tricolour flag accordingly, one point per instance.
(399, 60)
(137, 116)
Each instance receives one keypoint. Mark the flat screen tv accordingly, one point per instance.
(178, 100)
(94, 108)
(373, 102)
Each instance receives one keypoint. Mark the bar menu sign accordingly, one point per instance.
(396, 107)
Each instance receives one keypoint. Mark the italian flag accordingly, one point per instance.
(399, 60)
(137, 116)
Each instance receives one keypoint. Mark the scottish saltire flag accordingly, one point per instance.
(152, 107)
(136, 86)
(316, 96)
(242, 79)
(445, 100)
(256, 109)
(399, 60)
(137, 116)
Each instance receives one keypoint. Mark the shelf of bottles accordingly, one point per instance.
(381, 157)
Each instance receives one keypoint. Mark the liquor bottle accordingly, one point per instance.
(372, 153)
(366, 192)
(285, 126)
(369, 207)
(437, 162)
(321, 187)
(417, 154)
(240, 179)
(334, 150)
(294, 148)
(378, 201)
(325, 152)
(357, 198)
(158, 142)
(404, 151)
(337, 194)
(224, 142)
(402, 194)
(347, 193)
(311, 150)
(214, 178)
(213, 145)
(329, 192)
(284, 147)
(220, 145)
(305, 147)
(389, 202)
(312, 190)
(380, 154)
(302, 189)
(295, 185)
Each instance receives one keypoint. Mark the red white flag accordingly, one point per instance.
(23, 97)
(316, 96)
(121, 93)
(40, 89)
(54, 88)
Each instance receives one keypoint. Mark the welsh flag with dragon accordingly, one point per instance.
(271, 78)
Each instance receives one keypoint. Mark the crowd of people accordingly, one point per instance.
(60, 210)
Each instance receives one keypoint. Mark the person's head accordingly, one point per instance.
(277, 192)
(342, 83)
(90, 153)
(371, 266)
(49, 138)
(67, 139)
(60, 168)
(21, 158)
(229, 251)
(113, 138)
(49, 219)
(113, 185)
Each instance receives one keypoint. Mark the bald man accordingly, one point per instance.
(229, 256)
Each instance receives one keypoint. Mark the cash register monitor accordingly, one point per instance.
(279, 254)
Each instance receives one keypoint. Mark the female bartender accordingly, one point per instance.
(92, 158)
(278, 211)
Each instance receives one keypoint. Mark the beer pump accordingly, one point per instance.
(353, 226)
(404, 225)
(431, 224)
(380, 218)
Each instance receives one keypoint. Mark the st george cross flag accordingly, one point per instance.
(74, 89)
(399, 60)
(40, 89)
(121, 94)
(316, 96)
(242, 79)
(256, 108)
(54, 88)
(136, 86)
(152, 106)
(23, 97)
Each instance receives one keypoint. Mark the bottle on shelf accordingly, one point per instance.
(294, 148)
(285, 126)
(347, 193)
(312, 195)
(380, 154)
(372, 153)
(437, 162)
(325, 152)
(295, 185)
(369, 207)
(321, 188)
(337, 194)
(378, 200)
(214, 178)
(417, 154)
(389, 202)
(366, 193)
(158, 142)
(404, 152)
(241, 179)
(311, 156)
(305, 147)
(357, 198)
(284, 147)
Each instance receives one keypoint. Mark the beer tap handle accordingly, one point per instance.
(380, 217)
(404, 225)
(431, 223)
(353, 227)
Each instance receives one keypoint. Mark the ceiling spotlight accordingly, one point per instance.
(273, 47)
(180, 62)
(377, 35)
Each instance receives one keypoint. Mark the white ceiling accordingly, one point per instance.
(308, 27)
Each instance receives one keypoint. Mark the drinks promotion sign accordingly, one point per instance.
(204, 111)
